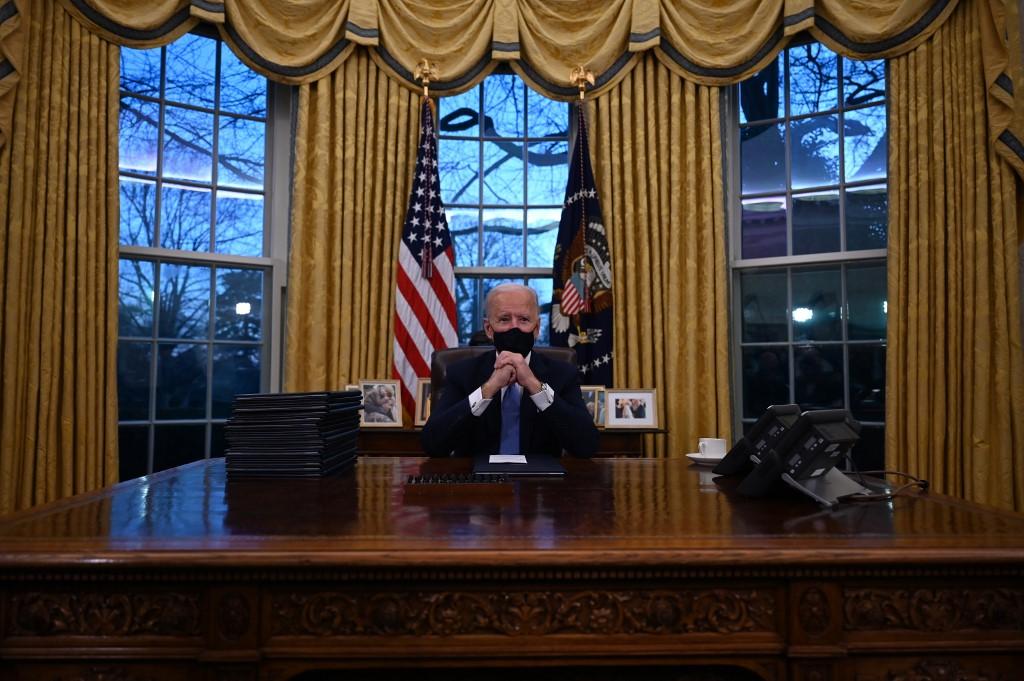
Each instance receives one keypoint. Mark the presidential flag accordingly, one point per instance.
(425, 298)
(581, 302)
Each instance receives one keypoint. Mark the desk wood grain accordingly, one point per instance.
(623, 563)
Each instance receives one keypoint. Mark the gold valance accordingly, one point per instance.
(706, 41)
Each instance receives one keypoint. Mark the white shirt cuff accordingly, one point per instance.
(544, 398)
(477, 403)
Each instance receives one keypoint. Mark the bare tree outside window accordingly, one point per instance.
(503, 163)
(809, 243)
(192, 141)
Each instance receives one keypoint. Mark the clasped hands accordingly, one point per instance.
(509, 368)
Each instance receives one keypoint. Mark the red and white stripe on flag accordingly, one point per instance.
(572, 302)
(425, 297)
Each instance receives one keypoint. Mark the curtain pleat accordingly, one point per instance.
(658, 167)
(355, 146)
(58, 270)
(955, 367)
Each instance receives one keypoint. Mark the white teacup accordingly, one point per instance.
(711, 446)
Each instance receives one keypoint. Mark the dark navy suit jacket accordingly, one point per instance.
(566, 424)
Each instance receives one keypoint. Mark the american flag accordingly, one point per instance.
(425, 297)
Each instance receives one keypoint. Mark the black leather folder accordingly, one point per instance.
(536, 464)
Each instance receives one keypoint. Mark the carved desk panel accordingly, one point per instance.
(625, 564)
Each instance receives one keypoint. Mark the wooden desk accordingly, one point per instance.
(406, 441)
(627, 567)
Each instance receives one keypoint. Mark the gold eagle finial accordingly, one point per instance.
(579, 77)
(425, 72)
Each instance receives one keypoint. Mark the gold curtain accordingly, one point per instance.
(705, 40)
(955, 368)
(58, 266)
(658, 166)
(354, 152)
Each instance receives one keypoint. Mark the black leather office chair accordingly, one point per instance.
(446, 356)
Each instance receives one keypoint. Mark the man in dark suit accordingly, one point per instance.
(473, 412)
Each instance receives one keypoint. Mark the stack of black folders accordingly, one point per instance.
(292, 435)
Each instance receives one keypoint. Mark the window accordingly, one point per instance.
(808, 239)
(503, 162)
(196, 279)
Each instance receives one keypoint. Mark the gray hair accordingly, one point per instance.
(508, 288)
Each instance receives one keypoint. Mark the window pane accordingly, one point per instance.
(464, 225)
(132, 452)
(503, 238)
(762, 158)
(242, 90)
(140, 71)
(816, 304)
(191, 70)
(547, 117)
(547, 172)
(137, 135)
(239, 304)
(135, 297)
(813, 82)
(814, 143)
(866, 144)
(816, 223)
(866, 301)
(761, 94)
(459, 168)
(541, 235)
(241, 149)
(239, 223)
(184, 301)
(181, 381)
(236, 371)
(133, 365)
(763, 299)
(503, 172)
(867, 218)
(763, 227)
(218, 441)
(138, 212)
(863, 81)
(765, 379)
(188, 144)
(185, 218)
(543, 288)
(459, 115)
(466, 297)
(819, 377)
(503, 106)
(867, 382)
(178, 445)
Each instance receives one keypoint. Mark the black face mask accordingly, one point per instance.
(514, 340)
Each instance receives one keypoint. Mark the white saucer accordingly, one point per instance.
(704, 459)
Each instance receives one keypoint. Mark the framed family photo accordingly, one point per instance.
(631, 408)
(593, 397)
(422, 401)
(381, 406)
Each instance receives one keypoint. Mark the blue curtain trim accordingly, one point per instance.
(435, 85)
(360, 31)
(910, 33)
(1012, 143)
(568, 90)
(7, 10)
(497, 46)
(798, 17)
(6, 69)
(644, 37)
(688, 65)
(180, 17)
(1005, 82)
(206, 6)
(281, 69)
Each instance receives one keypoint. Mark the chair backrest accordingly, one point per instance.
(446, 356)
